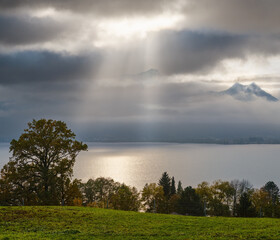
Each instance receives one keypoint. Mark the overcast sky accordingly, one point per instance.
(78, 61)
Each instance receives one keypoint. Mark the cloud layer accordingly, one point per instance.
(77, 61)
(95, 7)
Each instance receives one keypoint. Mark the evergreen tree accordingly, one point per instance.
(165, 183)
(190, 203)
(272, 189)
(245, 207)
(179, 188)
(273, 196)
(173, 187)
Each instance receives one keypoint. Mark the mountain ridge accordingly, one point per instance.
(248, 92)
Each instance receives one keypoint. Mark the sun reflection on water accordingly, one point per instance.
(117, 167)
(121, 168)
(138, 164)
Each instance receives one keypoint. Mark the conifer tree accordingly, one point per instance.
(165, 183)
(173, 187)
(179, 188)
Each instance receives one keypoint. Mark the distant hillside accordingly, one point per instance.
(93, 223)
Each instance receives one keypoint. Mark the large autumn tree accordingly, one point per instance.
(41, 164)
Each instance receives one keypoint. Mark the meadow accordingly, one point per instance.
(48, 222)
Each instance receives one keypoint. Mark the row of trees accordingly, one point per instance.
(221, 198)
(41, 168)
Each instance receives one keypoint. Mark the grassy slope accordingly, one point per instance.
(91, 223)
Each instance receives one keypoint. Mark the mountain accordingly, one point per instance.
(248, 92)
(151, 74)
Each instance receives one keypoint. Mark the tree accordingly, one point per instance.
(173, 187)
(88, 189)
(273, 195)
(99, 191)
(42, 163)
(239, 187)
(153, 198)
(260, 201)
(245, 207)
(73, 192)
(217, 197)
(179, 188)
(272, 189)
(190, 203)
(165, 183)
(126, 198)
(223, 192)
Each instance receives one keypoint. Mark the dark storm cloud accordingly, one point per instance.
(187, 51)
(176, 52)
(24, 30)
(43, 66)
(191, 52)
(96, 7)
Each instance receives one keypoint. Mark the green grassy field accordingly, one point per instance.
(92, 223)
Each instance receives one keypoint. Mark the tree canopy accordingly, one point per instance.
(41, 164)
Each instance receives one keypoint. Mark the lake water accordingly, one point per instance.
(138, 163)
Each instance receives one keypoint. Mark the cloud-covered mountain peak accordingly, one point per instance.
(237, 87)
(248, 92)
(254, 87)
(149, 74)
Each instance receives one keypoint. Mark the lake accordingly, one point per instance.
(138, 163)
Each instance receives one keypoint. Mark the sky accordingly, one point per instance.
(81, 62)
